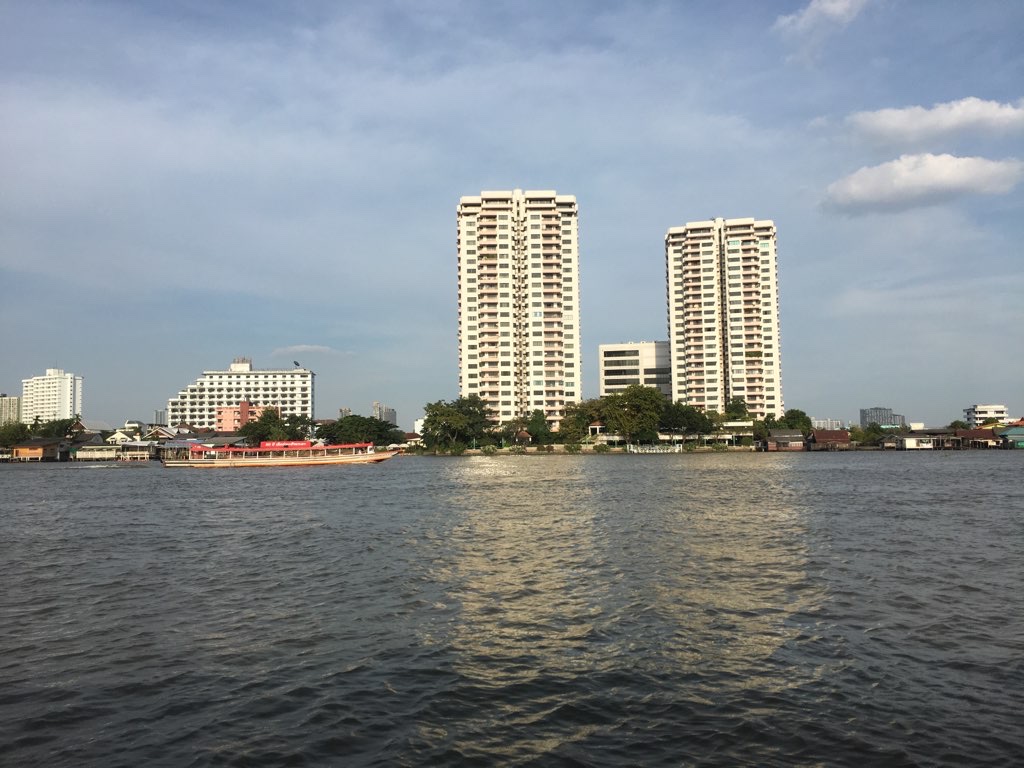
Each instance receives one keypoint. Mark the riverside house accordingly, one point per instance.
(828, 440)
(41, 449)
(785, 440)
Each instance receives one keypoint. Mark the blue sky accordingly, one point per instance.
(184, 183)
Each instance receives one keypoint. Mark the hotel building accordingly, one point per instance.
(635, 362)
(52, 396)
(723, 315)
(291, 391)
(519, 309)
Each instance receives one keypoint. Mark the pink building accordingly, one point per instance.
(233, 418)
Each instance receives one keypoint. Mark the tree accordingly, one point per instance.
(56, 428)
(443, 424)
(575, 424)
(762, 428)
(634, 413)
(736, 410)
(12, 433)
(685, 419)
(479, 418)
(462, 421)
(958, 424)
(794, 418)
(360, 429)
(538, 428)
(270, 426)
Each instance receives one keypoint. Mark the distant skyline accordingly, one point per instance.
(182, 184)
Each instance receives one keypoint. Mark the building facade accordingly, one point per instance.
(828, 424)
(978, 414)
(634, 362)
(10, 408)
(291, 391)
(54, 395)
(231, 418)
(883, 417)
(723, 315)
(519, 309)
(384, 413)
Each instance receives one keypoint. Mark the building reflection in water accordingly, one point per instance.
(642, 578)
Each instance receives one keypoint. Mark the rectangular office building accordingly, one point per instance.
(635, 362)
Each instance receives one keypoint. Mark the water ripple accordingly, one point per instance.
(568, 611)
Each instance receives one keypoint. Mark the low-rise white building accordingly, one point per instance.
(978, 414)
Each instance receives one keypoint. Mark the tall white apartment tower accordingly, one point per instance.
(52, 396)
(723, 315)
(519, 307)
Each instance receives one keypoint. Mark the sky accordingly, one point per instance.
(185, 183)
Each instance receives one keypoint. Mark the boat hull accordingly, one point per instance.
(286, 459)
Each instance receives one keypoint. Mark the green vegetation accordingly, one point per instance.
(270, 426)
(873, 434)
(637, 414)
(466, 420)
(15, 432)
(360, 429)
(634, 413)
(794, 418)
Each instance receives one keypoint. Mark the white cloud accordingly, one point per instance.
(917, 123)
(298, 349)
(925, 179)
(820, 14)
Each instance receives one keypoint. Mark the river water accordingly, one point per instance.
(709, 609)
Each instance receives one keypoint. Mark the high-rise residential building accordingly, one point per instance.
(723, 315)
(634, 362)
(291, 391)
(344, 413)
(978, 414)
(519, 308)
(10, 408)
(52, 396)
(384, 413)
(883, 417)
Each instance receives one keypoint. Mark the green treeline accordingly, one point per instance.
(638, 414)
